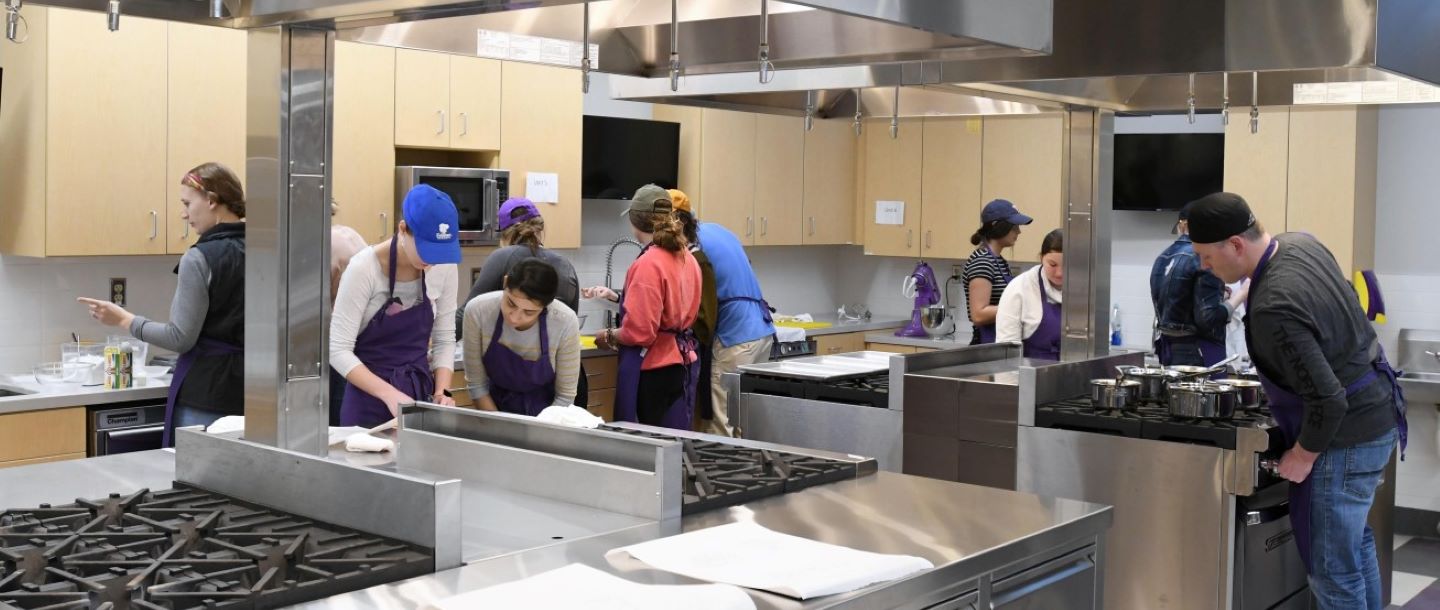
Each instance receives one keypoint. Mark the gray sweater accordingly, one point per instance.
(187, 311)
(1307, 333)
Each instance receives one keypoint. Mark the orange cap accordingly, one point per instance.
(679, 200)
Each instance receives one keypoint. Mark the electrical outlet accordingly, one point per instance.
(117, 291)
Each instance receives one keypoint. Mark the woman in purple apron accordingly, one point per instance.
(986, 274)
(388, 361)
(546, 369)
(658, 367)
(1041, 313)
(207, 316)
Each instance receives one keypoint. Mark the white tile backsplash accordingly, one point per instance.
(39, 312)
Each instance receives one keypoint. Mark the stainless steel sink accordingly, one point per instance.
(6, 391)
(1421, 387)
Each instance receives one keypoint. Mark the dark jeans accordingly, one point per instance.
(658, 390)
(1344, 570)
(1191, 351)
(337, 396)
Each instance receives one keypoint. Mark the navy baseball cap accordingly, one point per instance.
(516, 210)
(434, 222)
(1001, 209)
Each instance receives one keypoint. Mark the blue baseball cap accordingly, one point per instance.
(1001, 209)
(516, 210)
(434, 222)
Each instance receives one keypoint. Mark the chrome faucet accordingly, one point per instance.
(609, 271)
(1434, 355)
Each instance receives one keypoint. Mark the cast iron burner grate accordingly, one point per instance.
(718, 474)
(185, 548)
(871, 391)
(1148, 422)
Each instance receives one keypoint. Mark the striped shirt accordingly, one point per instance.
(985, 265)
(564, 334)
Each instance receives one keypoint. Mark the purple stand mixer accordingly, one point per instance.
(921, 285)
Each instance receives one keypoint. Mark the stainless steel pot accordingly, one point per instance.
(1251, 392)
(1152, 382)
(1187, 369)
(1114, 394)
(1202, 400)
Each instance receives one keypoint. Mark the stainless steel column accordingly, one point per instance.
(1089, 170)
(288, 237)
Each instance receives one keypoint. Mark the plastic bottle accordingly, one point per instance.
(1115, 324)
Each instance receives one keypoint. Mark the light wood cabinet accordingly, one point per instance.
(1023, 161)
(829, 195)
(691, 122)
(541, 110)
(951, 184)
(23, 141)
(600, 372)
(1257, 164)
(1332, 177)
(363, 148)
(475, 85)
(206, 118)
(106, 112)
(893, 173)
(840, 343)
(33, 437)
(727, 158)
(422, 99)
(779, 179)
(889, 348)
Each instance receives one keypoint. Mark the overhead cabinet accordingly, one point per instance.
(447, 101)
(363, 151)
(1022, 161)
(100, 126)
(542, 110)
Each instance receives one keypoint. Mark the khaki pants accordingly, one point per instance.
(729, 360)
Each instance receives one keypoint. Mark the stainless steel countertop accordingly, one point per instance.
(837, 327)
(61, 395)
(1005, 371)
(959, 339)
(965, 530)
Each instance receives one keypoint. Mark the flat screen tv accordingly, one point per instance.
(1164, 171)
(622, 155)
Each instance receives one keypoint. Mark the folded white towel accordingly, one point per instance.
(571, 415)
(362, 443)
(229, 423)
(789, 334)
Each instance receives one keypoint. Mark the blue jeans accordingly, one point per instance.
(1344, 572)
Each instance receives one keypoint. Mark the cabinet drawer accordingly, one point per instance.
(600, 371)
(42, 460)
(602, 403)
(457, 381)
(42, 434)
(889, 348)
(843, 343)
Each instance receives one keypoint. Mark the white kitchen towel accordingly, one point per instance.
(229, 423)
(573, 416)
(801, 318)
(747, 554)
(364, 443)
(580, 586)
(788, 334)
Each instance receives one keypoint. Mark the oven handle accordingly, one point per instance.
(133, 431)
(490, 205)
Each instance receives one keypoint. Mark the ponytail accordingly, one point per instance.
(525, 233)
(664, 228)
(994, 229)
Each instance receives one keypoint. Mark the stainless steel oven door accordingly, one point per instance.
(126, 440)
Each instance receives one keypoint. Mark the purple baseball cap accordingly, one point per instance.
(434, 222)
(516, 210)
(1001, 209)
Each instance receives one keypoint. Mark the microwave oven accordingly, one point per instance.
(477, 194)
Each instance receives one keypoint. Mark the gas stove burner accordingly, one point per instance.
(1148, 422)
(871, 391)
(721, 474)
(185, 548)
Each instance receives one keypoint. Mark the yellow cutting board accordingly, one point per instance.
(804, 325)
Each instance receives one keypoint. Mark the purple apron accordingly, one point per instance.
(1044, 343)
(678, 415)
(987, 331)
(1289, 411)
(204, 348)
(395, 346)
(518, 385)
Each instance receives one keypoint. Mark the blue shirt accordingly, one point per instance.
(742, 316)
(1189, 301)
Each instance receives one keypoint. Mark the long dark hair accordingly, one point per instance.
(534, 278)
(689, 226)
(994, 229)
(1054, 242)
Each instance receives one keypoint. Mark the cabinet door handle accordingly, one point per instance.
(764, 226)
(154, 224)
(441, 114)
(929, 239)
(812, 226)
(384, 224)
(464, 124)
(909, 237)
(749, 226)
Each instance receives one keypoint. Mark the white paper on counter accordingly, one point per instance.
(749, 555)
(580, 586)
(542, 187)
(889, 212)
